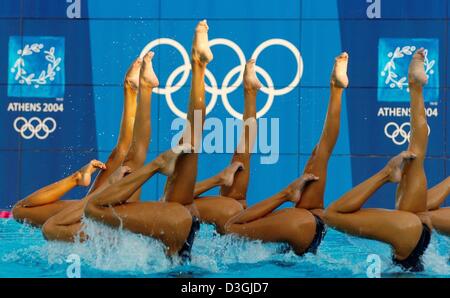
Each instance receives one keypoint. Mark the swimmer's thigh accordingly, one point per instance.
(168, 222)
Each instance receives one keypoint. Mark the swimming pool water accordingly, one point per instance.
(119, 253)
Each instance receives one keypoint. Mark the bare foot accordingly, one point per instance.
(294, 190)
(166, 161)
(395, 165)
(83, 175)
(339, 75)
(147, 76)
(227, 176)
(132, 76)
(118, 174)
(250, 79)
(200, 47)
(416, 71)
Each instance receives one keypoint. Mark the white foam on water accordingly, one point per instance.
(215, 252)
(116, 250)
(120, 251)
(107, 249)
(436, 257)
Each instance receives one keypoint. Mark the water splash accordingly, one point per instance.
(216, 253)
(436, 257)
(117, 252)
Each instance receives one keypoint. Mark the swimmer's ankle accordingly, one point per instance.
(147, 76)
(226, 177)
(251, 82)
(293, 191)
(201, 53)
(339, 78)
(416, 71)
(132, 77)
(166, 161)
(393, 170)
(82, 177)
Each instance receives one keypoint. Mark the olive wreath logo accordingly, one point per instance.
(392, 78)
(47, 74)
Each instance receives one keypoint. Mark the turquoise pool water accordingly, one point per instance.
(118, 253)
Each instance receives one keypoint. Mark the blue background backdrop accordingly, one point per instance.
(101, 44)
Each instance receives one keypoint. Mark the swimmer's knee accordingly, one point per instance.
(47, 229)
(231, 208)
(91, 209)
(118, 154)
(329, 214)
(227, 227)
(332, 208)
(19, 212)
(16, 212)
(230, 227)
(135, 158)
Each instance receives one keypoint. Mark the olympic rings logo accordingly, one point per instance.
(226, 88)
(33, 127)
(399, 134)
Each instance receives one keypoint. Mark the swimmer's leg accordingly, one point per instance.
(233, 183)
(127, 181)
(412, 189)
(238, 190)
(437, 195)
(67, 224)
(168, 222)
(117, 156)
(317, 164)
(180, 186)
(217, 209)
(295, 226)
(44, 203)
(224, 178)
(142, 126)
(440, 217)
(402, 230)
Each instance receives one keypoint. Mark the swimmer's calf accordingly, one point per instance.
(193, 288)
